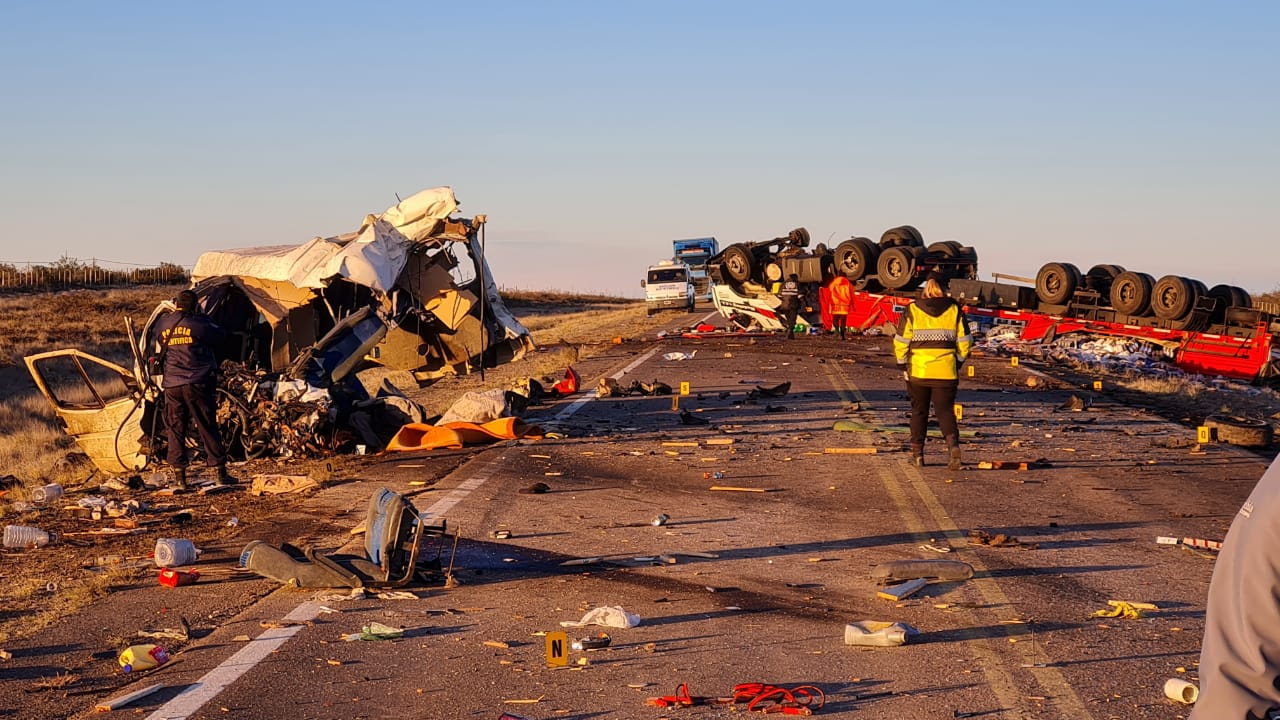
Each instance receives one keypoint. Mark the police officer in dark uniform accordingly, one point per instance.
(187, 338)
(790, 296)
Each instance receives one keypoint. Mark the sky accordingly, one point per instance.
(592, 134)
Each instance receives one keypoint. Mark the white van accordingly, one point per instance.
(668, 286)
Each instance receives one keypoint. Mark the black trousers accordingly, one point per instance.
(196, 404)
(942, 393)
(838, 321)
(789, 312)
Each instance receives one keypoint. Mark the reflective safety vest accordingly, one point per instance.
(932, 339)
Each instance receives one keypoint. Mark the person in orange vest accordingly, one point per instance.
(841, 291)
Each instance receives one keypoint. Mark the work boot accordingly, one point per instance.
(225, 478)
(917, 455)
(180, 478)
(954, 462)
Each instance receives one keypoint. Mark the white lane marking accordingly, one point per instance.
(577, 405)
(218, 679)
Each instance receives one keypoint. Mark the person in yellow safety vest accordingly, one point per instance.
(931, 344)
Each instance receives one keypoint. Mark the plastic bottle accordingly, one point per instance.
(143, 657)
(46, 494)
(22, 536)
(877, 633)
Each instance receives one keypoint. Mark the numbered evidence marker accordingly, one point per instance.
(969, 370)
(684, 388)
(1097, 386)
(557, 649)
(1202, 435)
(959, 411)
(1013, 361)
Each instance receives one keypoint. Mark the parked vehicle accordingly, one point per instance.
(695, 252)
(668, 286)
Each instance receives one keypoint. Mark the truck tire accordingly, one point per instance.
(1131, 293)
(1057, 282)
(1240, 431)
(1173, 297)
(900, 236)
(737, 264)
(1099, 279)
(896, 268)
(1230, 296)
(949, 249)
(856, 258)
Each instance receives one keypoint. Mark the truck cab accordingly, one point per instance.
(668, 286)
(695, 252)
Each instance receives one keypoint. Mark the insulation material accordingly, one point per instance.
(455, 436)
(452, 307)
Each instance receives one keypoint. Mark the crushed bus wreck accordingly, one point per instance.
(408, 290)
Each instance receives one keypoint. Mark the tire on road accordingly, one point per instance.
(1173, 297)
(896, 268)
(856, 258)
(1057, 282)
(1244, 432)
(1131, 293)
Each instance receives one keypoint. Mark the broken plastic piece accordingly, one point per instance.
(878, 633)
(912, 569)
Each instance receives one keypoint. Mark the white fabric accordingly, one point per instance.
(373, 256)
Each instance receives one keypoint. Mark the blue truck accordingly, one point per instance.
(695, 252)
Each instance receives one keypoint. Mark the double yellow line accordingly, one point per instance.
(1030, 653)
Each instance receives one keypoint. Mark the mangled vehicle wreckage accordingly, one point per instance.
(410, 290)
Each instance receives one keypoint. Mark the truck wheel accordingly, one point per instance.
(947, 248)
(1057, 282)
(1240, 431)
(896, 268)
(1230, 296)
(1131, 293)
(738, 264)
(1100, 277)
(1173, 297)
(856, 258)
(901, 235)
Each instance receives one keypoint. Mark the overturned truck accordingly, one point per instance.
(409, 290)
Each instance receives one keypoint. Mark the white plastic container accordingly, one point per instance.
(877, 633)
(1181, 691)
(172, 552)
(23, 536)
(46, 494)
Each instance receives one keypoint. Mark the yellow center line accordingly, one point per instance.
(998, 677)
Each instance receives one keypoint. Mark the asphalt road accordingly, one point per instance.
(739, 586)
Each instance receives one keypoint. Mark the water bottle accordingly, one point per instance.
(22, 536)
(143, 657)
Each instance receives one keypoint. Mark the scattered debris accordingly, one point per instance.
(906, 589)
(878, 633)
(849, 451)
(730, 488)
(1075, 404)
(538, 488)
(122, 700)
(610, 616)
(1180, 690)
(688, 418)
(375, 631)
(981, 537)
(856, 426)
(594, 642)
(1020, 465)
(679, 356)
(1124, 609)
(911, 569)
(274, 484)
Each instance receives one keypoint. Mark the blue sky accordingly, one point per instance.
(594, 133)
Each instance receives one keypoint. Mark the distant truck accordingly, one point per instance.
(695, 252)
(668, 286)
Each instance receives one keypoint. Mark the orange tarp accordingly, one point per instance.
(455, 435)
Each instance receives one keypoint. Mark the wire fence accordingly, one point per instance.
(69, 273)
